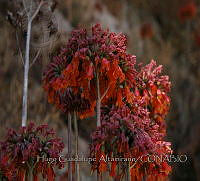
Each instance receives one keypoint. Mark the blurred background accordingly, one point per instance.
(166, 31)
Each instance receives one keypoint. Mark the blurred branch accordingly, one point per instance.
(42, 45)
(35, 59)
(37, 10)
(105, 92)
(20, 51)
(25, 8)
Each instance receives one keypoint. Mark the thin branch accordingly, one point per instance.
(128, 172)
(37, 10)
(105, 93)
(30, 10)
(20, 51)
(77, 147)
(45, 44)
(24, 4)
(69, 146)
(35, 59)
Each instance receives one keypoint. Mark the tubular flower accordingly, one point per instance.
(65, 99)
(78, 63)
(135, 129)
(154, 87)
(133, 124)
(124, 135)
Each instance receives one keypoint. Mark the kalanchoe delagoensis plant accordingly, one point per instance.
(93, 64)
(126, 135)
(153, 88)
(27, 152)
(136, 129)
(7, 171)
(95, 69)
(92, 69)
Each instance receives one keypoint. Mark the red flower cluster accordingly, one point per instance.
(27, 150)
(6, 170)
(187, 11)
(86, 56)
(94, 63)
(146, 31)
(154, 88)
(135, 129)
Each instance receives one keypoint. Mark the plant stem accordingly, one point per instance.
(98, 111)
(69, 146)
(76, 151)
(98, 103)
(128, 172)
(30, 175)
(98, 176)
(26, 71)
(144, 178)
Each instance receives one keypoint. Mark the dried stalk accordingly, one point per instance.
(98, 104)
(26, 71)
(69, 146)
(27, 59)
(128, 178)
(77, 147)
(98, 110)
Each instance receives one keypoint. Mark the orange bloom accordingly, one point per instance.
(146, 31)
(187, 11)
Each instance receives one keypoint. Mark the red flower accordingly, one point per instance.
(146, 31)
(136, 128)
(70, 80)
(23, 148)
(187, 11)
